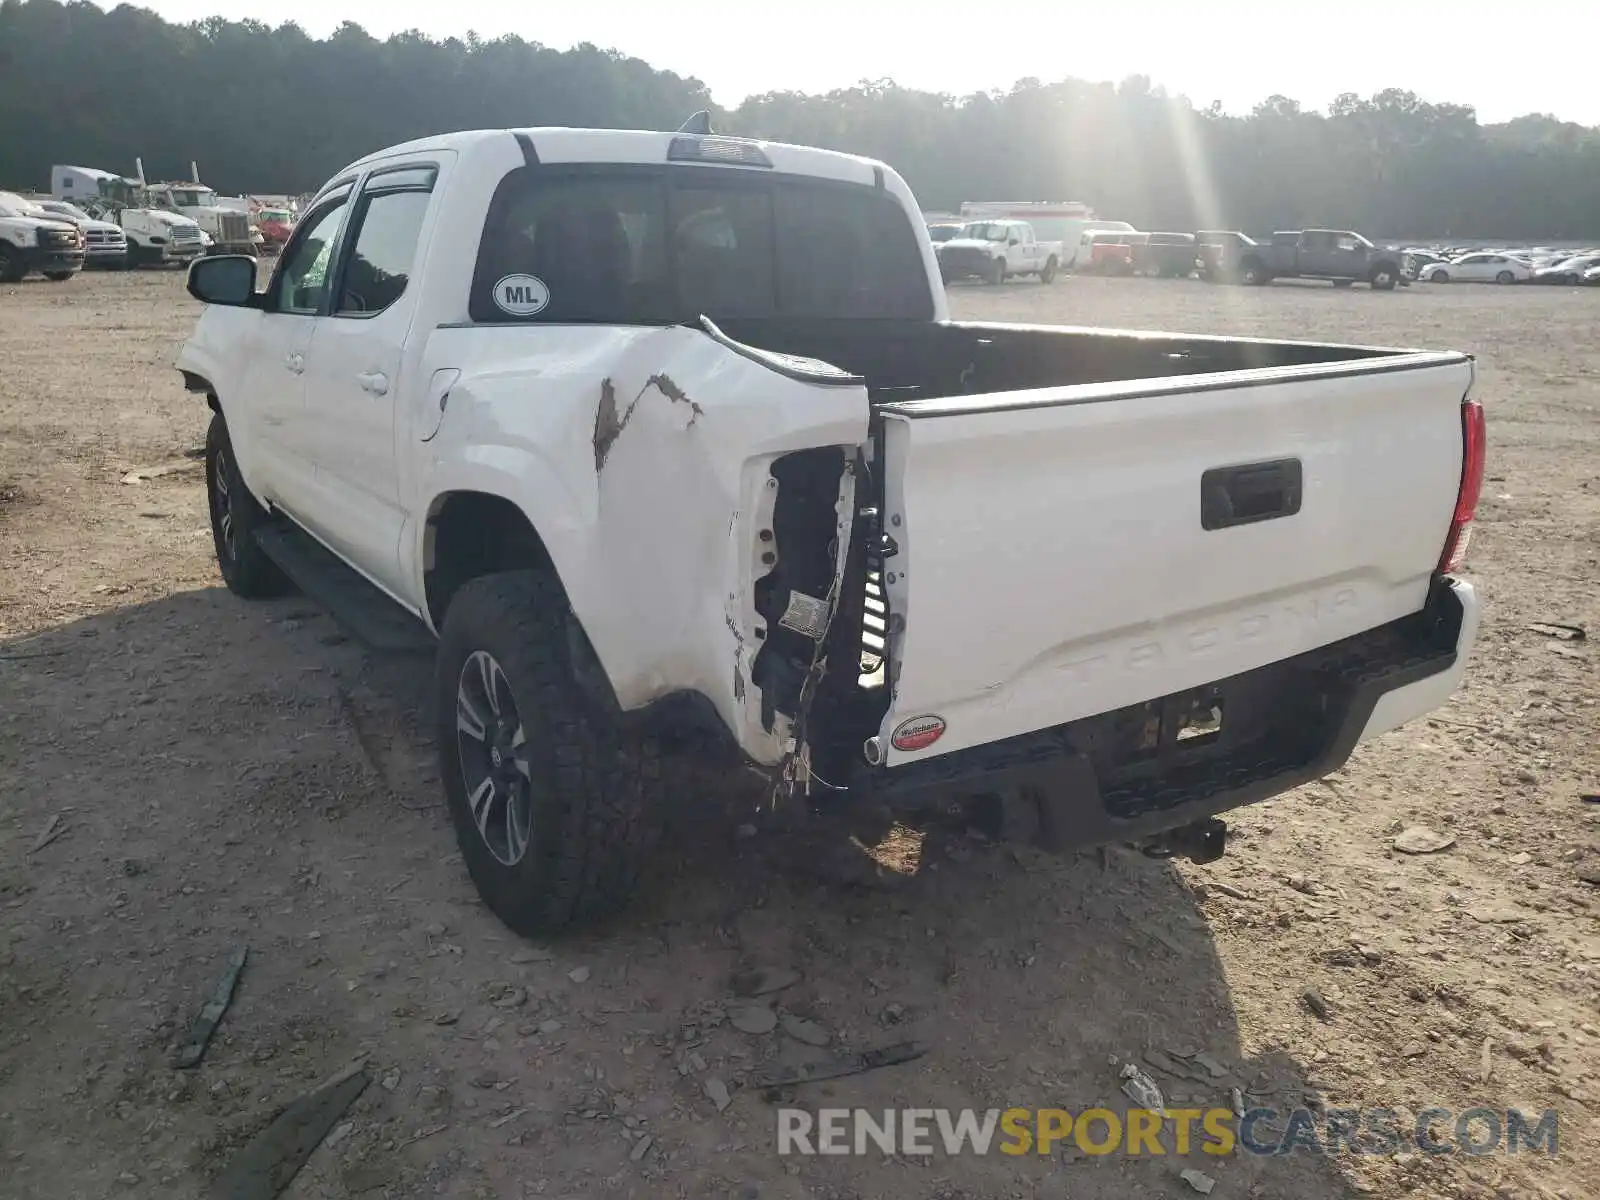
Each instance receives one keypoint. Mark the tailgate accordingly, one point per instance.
(1065, 552)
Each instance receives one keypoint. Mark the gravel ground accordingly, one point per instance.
(221, 774)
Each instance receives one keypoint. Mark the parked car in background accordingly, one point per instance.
(1064, 221)
(995, 250)
(34, 240)
(275, 226)
(1214, 247)
(1341, 256)
(1567, 271)
(1591, 277)
(1478, 268)
(1165, 254)
(104, 243)
(1110, 252)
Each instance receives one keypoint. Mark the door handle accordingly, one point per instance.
(295, 362)
(375, 382)
(1242, 495)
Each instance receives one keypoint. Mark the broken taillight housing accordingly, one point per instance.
(1473, 444)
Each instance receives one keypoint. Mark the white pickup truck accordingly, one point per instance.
(640, 433)
(993, 251)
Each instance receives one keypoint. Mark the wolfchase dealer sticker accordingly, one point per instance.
(521, 295)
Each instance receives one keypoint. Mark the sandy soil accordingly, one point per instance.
(223, 773)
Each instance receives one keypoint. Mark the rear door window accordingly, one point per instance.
(665, 245)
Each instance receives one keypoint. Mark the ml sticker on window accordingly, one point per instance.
(521, 295)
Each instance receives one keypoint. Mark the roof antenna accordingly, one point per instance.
(699, 124)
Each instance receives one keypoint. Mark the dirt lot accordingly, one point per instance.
(221, 773)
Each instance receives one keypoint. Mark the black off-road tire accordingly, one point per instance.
(1252, 273)
(59, 276)
(11, 268)
(1343, 283)
(1048, 275)
(235, 516)
(1384, 278)
(594, 786)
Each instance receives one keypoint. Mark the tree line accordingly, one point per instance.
(269, 110)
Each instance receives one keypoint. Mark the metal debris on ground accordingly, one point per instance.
(641, 1147)
(717, 1092)
(1318, 1006)
(1419, 839)
(1227, 889)
(1486, 1060)
(1565, 633)
(205, 1024)
(840, 1065)
(802, 1030)
(761, 981)
(1141, 1089)
(1198, 1180)
(266, 1166)
(579, 974)
(171, 468)
(53, 829)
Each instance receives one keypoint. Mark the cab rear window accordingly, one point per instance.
(666, 245)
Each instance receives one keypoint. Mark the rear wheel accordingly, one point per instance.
(11, 268)
(1505, 277)
(1048, 275)
(1252, 273)
(554, 803)
(59, 276)
(1439, 277)
(235, 516)
(1384, 278)
(1342, 283)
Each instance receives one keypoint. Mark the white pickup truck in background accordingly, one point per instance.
(993, 251)
(643, 432)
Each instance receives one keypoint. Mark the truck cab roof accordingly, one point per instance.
(560, 144)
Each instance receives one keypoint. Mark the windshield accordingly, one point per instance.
(653, 246)
(275, 214)
(194, 197)
(986, 231)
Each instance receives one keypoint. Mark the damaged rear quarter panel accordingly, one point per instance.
(641, 457)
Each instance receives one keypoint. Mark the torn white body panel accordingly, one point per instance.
(641, 455)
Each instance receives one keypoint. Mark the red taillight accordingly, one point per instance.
(1472, 452)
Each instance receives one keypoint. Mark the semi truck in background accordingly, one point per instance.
(155, 237)
(224, 224)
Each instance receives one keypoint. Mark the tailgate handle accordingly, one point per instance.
(1262, 491)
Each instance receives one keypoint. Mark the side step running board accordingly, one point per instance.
(360, 609)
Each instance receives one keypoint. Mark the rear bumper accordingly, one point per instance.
(1284, 725)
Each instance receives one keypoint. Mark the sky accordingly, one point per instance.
(1505, 60)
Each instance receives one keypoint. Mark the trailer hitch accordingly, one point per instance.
(1201, 842)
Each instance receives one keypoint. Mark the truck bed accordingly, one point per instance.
(1083, 521)
(913, 361)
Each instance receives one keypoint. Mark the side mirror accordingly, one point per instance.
(1014, 242)
(228, 279)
